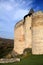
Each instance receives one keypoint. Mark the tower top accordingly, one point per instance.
(30, 12)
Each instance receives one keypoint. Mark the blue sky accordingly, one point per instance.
(11, 11)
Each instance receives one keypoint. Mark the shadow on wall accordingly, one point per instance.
(27, 50)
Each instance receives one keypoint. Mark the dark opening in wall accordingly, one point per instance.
(30, 27)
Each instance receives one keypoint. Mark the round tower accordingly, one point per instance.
(37, 33)
(19, 42)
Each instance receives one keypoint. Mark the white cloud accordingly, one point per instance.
(6, 6)
(24, 2)
(15, 4)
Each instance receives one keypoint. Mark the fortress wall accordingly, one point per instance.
(28, 34)
(18, 24)
(37, 33)
(19, 41)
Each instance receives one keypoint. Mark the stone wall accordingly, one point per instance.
(23, 37)
(37, 33)
(28, 34)
(19, 41)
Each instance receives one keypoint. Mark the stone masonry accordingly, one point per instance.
(29, 33)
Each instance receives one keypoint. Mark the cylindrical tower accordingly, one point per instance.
(19, 42)
(37, 33)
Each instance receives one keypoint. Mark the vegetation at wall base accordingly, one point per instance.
(30, 60)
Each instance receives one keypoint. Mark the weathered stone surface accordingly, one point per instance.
(37, 33)
(23, 36)
(29, 34)
(19, 43)
(37, 19)
(11, 60)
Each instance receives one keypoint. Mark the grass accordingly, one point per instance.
(29, 60)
